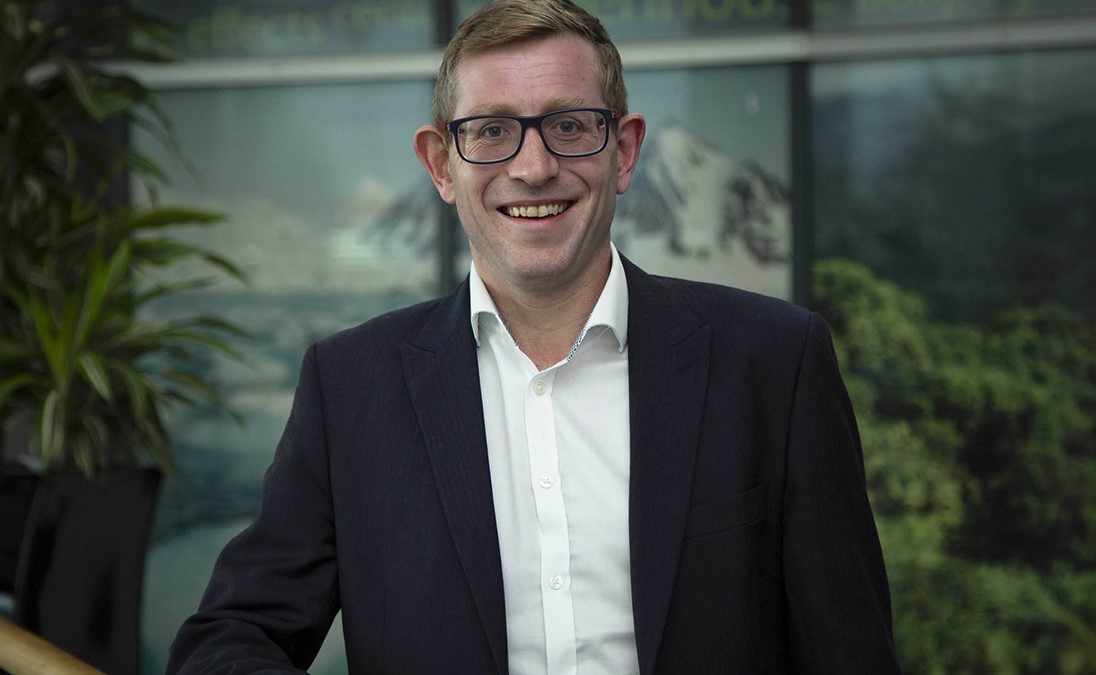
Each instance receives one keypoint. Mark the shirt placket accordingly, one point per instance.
(555, 581)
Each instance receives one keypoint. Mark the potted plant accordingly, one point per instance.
(86, 377)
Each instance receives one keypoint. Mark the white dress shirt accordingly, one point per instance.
(559, 451)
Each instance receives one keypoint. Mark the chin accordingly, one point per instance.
(540, 271)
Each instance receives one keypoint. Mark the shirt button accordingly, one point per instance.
(546, 481)
(556, 582)
(539, 387)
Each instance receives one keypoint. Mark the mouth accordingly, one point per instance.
(535, 210)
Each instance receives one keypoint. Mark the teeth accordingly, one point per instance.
(535, 211)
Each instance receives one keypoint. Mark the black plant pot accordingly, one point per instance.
(17, 487)
(81, 564)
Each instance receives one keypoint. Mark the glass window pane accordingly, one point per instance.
(711, 196)
(217, 28)
(860, 13)
(643, 19)
(331, 215)
(967, 178)
(956, 211)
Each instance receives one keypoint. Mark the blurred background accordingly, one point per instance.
(921, 172)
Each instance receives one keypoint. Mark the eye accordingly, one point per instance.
(488, 131)
(566, 127)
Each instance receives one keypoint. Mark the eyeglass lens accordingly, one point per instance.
(567, 133)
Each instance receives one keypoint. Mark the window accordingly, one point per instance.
(966, 178)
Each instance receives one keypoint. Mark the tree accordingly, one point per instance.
(979, 451)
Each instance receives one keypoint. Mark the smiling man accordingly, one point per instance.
(566, 465)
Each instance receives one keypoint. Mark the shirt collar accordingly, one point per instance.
(611, 309)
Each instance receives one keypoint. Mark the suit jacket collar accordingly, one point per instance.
(668, 365)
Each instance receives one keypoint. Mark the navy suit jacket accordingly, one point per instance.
(753, 548)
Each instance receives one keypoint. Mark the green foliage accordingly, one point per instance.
(979, 454)
(78, 265)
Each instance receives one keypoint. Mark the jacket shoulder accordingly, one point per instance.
(726, 307)
(381, 334)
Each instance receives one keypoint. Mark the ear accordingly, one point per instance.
(433, 151)
(630, 132)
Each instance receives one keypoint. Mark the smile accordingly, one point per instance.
(538, 211)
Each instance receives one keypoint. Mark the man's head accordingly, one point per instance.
(540, 151)
(506, 22)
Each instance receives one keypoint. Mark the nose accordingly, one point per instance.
(533, 164)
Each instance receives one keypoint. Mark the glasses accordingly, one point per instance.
(489, 139)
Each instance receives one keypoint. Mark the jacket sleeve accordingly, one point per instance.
(274, 590)
(838, 601)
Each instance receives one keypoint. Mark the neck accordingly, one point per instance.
(545, 325)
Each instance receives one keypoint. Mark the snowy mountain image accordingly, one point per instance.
(694, 211)
(407, 225)
(703, 202)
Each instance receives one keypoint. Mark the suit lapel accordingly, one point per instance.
(443, 382)
(668, 378)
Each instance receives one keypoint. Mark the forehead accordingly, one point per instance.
(529, 77)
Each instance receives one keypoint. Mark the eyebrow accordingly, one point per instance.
(554, 104)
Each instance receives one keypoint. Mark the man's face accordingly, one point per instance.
(569, 246)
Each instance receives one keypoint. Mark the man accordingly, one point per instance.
(566, 465)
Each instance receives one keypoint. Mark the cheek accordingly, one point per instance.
(470, 186)
(468, 199)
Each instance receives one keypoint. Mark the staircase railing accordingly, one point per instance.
(24, 653)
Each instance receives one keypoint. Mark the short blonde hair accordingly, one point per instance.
(505, 22)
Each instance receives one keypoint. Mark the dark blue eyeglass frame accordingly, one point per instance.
(534, 121)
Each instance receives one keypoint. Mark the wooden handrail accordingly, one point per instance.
(24, 653)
